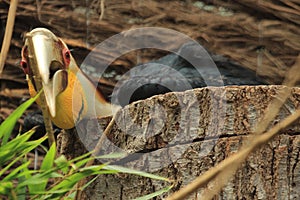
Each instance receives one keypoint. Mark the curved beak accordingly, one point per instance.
(53, 88)
(49, 64)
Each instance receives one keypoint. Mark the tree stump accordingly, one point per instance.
(180, 135)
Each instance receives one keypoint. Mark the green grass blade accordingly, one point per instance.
(154, 194)
(69, 181)
(63, 164)
(14, 173)
(11, 148)
(5, 187)
(47, 164)
(29, 146)
(81, 157)
(90, 182)
(113, 155)
(39, 178)
(21, 191)
(7, 126)
(28, 174)
(83, 162)
(2, 171)
(136, 172)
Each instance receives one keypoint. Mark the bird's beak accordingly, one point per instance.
(50, 65)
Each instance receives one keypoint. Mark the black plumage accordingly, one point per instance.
(175, 73)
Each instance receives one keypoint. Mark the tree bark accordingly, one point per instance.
(181, 135)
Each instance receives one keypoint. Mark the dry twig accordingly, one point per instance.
(8, 33)
(102, 6)
(232, 163)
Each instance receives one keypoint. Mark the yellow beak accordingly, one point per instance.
(50, 65)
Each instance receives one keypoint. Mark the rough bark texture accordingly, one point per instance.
(260, 35)
(190, 132)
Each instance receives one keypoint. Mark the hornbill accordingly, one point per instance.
(70, 95)
(68, 91)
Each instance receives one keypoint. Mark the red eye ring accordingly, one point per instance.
(67, 56)
(24, 66)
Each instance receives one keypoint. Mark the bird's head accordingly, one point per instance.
(53, 63)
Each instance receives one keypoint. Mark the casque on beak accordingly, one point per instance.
(50, 65)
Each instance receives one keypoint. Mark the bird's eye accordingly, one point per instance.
(24, 66)
(67, 56)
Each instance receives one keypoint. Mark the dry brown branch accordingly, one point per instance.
(231, 164)
(102, 8)
(8, 33)
(291, 79)
(229, 167)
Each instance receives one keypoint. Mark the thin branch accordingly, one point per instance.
(273, 109)
(220, 174)
(8, 33)
(102, 6)
(236, 158)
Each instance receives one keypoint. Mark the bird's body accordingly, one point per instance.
(174, 73)
(70, 95)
